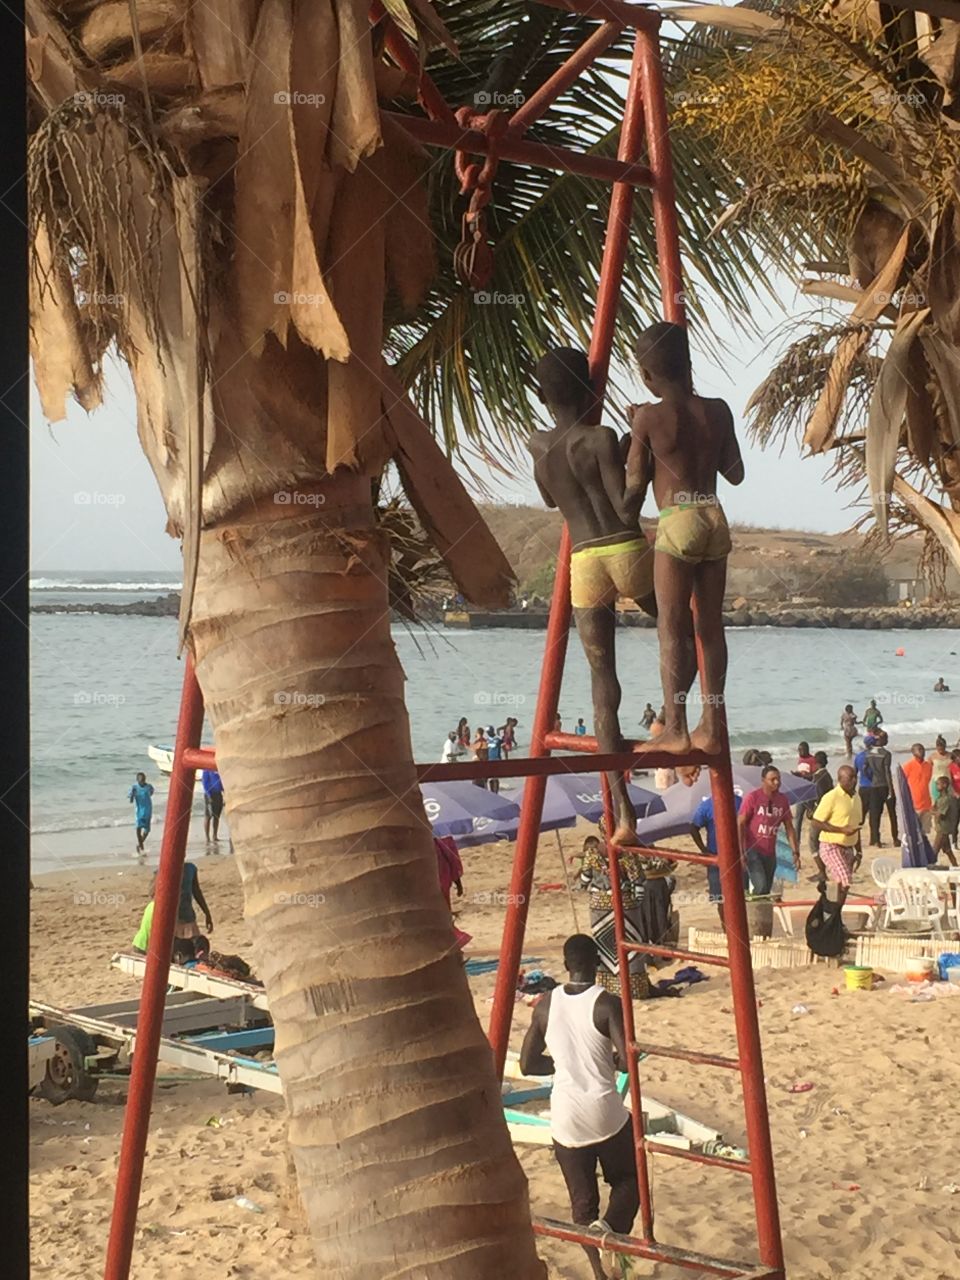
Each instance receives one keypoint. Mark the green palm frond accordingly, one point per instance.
(469, 361)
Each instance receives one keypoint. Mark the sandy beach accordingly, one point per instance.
(866, 1160)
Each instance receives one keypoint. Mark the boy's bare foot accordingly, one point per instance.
(625, 834)
(675, 742)
(688, 773)
(705, 738)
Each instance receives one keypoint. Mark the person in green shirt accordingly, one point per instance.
(944, 818)
(141, 938)
(872, 717)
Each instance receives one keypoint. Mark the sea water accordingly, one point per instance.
(104, 687)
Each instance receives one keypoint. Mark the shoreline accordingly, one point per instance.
(97, 850)
(880, 618)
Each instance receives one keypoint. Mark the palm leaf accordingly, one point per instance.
(819, 432)
(888, 407)
(470, 363)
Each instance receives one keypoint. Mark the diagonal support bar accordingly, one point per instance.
(438, 133)
(564, 77)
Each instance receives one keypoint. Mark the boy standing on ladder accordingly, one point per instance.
(575, 1030)
(578, 467)
(680, 446)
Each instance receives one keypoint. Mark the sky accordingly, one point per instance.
(96, 506)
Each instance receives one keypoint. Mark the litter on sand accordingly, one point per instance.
(244, 1202)
(919, 992)
(801, 1086)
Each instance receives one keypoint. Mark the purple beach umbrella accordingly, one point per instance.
(454, 807)
(579, 795)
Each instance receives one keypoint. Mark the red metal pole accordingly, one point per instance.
(745, 1014)
(133, 1144)
(659, 157)
(757, 1119)
(531, 811)
(563, 77)
(525, 766)
(437, 133)
(629, 1025)
(558, 627)
(618, 232)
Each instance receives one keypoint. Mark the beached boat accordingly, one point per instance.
(162, 757)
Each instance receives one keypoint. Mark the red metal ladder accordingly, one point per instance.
(644, 130)
(748, 1062)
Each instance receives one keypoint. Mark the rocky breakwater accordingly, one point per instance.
(888, 618)
(167, 606)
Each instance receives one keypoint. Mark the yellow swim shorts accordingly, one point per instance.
(694, 532)
(600, 575)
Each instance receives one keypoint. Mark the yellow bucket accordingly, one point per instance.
(859, 977)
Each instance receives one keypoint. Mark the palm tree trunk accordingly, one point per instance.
(403, 1158)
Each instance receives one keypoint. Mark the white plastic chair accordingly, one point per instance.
(953, 909)
(882, 869)
(914, 901)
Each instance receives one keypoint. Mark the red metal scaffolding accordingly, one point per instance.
(643, 159)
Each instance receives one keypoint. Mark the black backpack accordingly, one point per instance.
(826, 935)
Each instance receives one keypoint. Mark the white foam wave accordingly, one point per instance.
(924, 730)
(85, 824)
(69, 584)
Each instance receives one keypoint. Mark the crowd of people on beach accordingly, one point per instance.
(486, 743)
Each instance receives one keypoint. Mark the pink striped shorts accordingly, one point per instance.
(838, 859)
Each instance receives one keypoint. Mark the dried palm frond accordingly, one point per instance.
(782, 402)
(832, 122)
(418, 578)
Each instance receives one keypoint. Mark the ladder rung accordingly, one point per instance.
(696, 1157)
(640, 751)
(686, 1055)
(679, 855)
(695, 957)
(631, 1246)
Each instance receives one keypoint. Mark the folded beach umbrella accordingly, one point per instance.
(680, 801)
(454, 807)
(915, 848)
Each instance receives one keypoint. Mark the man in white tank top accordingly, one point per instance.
(575, 1030)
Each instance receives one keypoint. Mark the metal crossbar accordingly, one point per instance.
(632, 1247)
(643, 159)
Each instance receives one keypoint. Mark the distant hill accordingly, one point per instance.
(765, 565)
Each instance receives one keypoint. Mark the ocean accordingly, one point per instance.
(105, 687)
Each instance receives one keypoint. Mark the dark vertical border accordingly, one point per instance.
(14, 650)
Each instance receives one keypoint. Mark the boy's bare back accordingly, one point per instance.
(681, 445)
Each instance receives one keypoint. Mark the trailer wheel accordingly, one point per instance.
(66, 1075)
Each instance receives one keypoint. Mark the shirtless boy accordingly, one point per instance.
(579, 468)
(680, 446)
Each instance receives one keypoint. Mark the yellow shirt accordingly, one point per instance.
(841, 810)
(142, 939)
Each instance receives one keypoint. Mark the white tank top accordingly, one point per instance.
(585, 1106)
